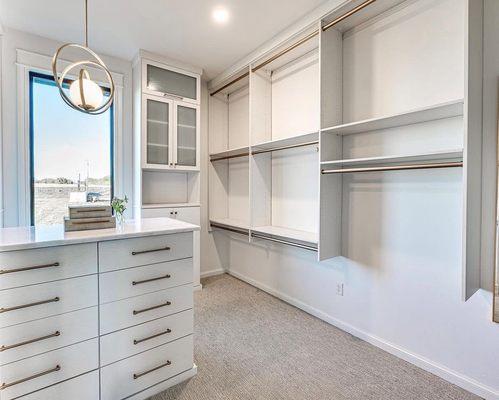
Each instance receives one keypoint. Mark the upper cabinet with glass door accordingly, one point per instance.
(170, 115)
(161, 80)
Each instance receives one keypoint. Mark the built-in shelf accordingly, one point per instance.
(157, 144)
(294, 141)
(241, 151)
(287, 233)
(447, 155)
(169, 205)
(157, 121)
(230, 223)
(438, 111)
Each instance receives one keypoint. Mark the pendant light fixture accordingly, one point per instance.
(84, 94)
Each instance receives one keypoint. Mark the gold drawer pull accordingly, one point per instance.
(10, 271)
(136, 253)
(137, 341)
(168, 276)
(36, 303)
(12, 346)
(49, 371)
(166, 364)
(168, 303)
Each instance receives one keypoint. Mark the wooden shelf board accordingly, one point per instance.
(169, 205)
(291, 141)
(432, 113)
(230, 152)
(287, 233)
(451, 154)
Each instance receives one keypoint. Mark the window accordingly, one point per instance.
(71, 153)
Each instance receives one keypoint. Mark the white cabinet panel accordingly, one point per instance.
(127, 342)
(36, 337)
(27, 267)
(55, 366)
(137, 310)
(84, 387)
(47, 299)
(121, 284)
(119, 254)
(137, 373)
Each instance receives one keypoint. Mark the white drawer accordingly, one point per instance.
(130, 282)
(128, 342)
(137, 310)
(139, 372)
(84, 387)
(47, 299)
(46, 369)
(36, 337)
(186, 214)
(125, 253)
(28, 267)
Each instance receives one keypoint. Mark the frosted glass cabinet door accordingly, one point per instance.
(186, 124)
(162, 80)
(158, 131)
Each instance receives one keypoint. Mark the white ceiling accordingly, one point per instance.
(180, 29)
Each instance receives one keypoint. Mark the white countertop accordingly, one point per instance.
(21, 238)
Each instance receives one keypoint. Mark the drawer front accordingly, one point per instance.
(137, 310)
(40, 301)
(118, 285)
(28, 267)
(37, 372)
(36, 337)
(128, 342)
(84, 387)
(188, 214)
(125, 253)
(139, 372)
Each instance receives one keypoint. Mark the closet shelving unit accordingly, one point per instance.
(375, 104)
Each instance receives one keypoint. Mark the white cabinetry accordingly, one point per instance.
(58, 334)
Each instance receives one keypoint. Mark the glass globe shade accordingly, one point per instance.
(91, 91)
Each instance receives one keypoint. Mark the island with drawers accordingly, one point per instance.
(102, 314)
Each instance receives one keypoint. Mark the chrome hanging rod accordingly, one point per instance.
(271, 239)
(393, 168)
(299, 43)
(226, 228)
(228, 157)
(292, 146)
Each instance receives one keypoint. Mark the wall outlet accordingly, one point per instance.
(339, 289)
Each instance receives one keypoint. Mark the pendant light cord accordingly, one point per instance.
(86, 23)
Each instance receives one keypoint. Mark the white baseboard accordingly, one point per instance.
(460, 380)
(213, 272)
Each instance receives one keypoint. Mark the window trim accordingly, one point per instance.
(27, 62)
(32, 75)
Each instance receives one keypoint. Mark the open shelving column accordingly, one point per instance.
(229, 149)
(284, 126)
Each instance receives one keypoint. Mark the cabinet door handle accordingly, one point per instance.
(10, 271)
(12, 346)
(166, 364)
(135, 312)
(137, 341)
(49, 371)
(36, 303)
(167, 276)
(135, 253)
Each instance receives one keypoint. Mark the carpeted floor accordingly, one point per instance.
(250, 345)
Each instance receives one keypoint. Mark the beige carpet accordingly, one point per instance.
(250, 345)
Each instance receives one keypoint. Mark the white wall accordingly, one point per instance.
(12, 40)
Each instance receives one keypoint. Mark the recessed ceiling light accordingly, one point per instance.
(220, 15)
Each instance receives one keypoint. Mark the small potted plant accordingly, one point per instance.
(119, 207)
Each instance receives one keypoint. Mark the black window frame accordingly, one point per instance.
(50, 80)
